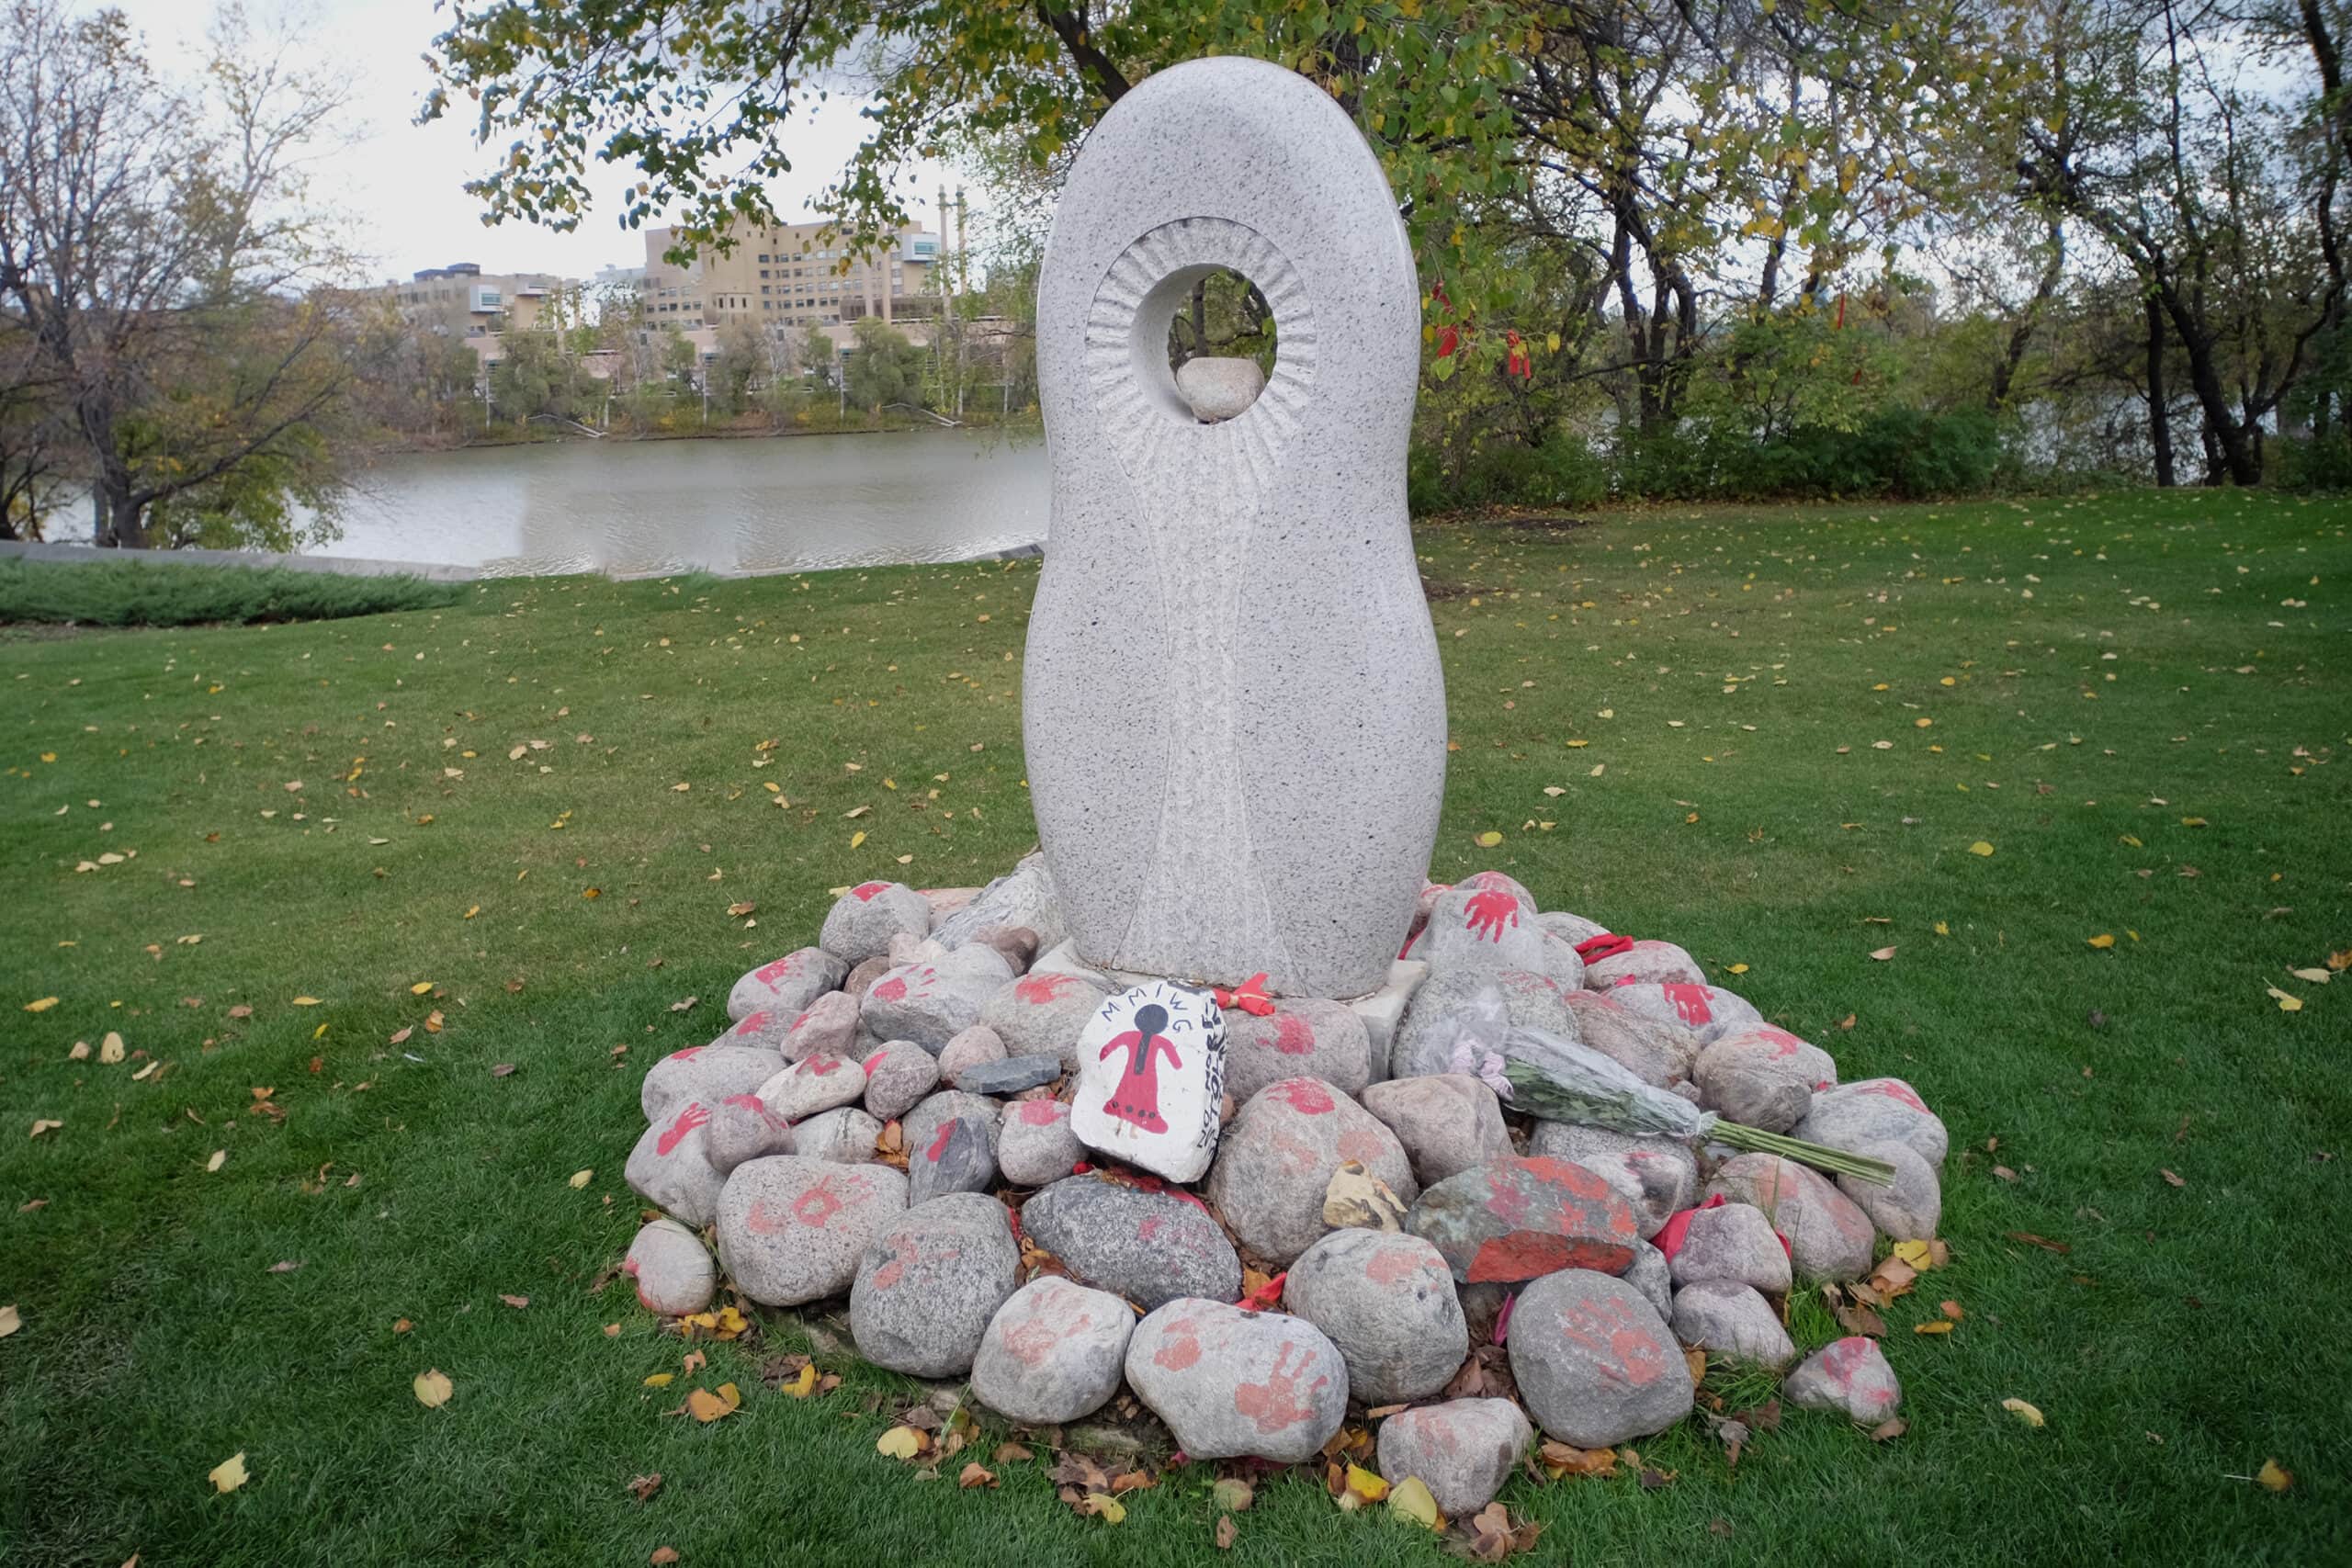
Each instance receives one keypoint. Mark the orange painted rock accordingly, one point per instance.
(1519, 1219)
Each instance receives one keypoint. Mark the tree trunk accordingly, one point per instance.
(2159, 422)
(129, 527)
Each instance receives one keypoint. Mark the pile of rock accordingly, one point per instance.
(896, 1109)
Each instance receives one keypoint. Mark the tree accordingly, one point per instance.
(154, 241)
(817, 356)
(534, 378)
(884, 367)
(30, 432)
(743, 361)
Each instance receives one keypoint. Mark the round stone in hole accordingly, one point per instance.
(1183, 312)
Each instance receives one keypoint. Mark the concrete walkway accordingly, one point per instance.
(340, 566)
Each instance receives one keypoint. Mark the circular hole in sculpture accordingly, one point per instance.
(1220, 343)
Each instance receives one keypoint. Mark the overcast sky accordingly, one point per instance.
(405, 182)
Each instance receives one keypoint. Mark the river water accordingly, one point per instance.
(638, 508)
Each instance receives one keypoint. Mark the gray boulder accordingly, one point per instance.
(1043, 1010)
(816, 1083)
(931, 1003)
(706, 1073)
(1648, 963)
(1849, 1377)
(674, 1272)
(1035, 1144)
(960, 1156)
(742, 1127)
(1276, 1159)
(1387, 1302)
(863, 919)
(1595, 1363)
(1875, 1111)
(973, 1047)
(842, 1137)
(824, 1028)
(793, 1229)
(1424, 1040)
(1462, 1450)
(670, 1167)
(1731, 1320)
(1654, 1050)
(1651, 1274)
(1235, 1384)
(1303, 1039)
(1150, 1247)
(1667, 1169)
(1054, 1351)
(898, 1077)
(1910, 1209)
(1732, 1243)
(1023, 897)
(1447, 1122)
(929, 1285)
(786, 985)
(1705, 1010)
(922, 1125)
(1829, 1238)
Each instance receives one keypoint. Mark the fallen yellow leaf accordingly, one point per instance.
(219, 1157)
(581, 1177)
(2285, 1003)
(857, 838)
(306, 1001)
(1942, 929)
(11, 1320)
(1980, 848)
(2274, 1476)
(1107, 1509)
(706, 1406)
(1488, 839)
(44, 1005)
(434, 1389)
(805, 1384)
(420, 987)
(1883, 954)
(1917, 1254)
(2314, 976)
(2102, 939)
(1936, 1325)
(1738, 969)
(900, 1442)
(2022, 1411)
(1411, 1498)
(1365, 1484)
(229, 1474)
(660, 1380)
(110, 1049)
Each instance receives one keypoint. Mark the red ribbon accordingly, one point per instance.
(1608, 945)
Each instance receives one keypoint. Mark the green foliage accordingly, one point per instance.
(885, 367)
(535, 377)
(134, 593)
(2315, 462)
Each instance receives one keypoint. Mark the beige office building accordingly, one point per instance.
(461, 300)
(786, 277)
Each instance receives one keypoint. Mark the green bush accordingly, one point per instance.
(135, 593)
(2315, 462)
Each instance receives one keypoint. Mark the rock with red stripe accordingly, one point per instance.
(1043, 1010)
(1657, 1175)
(673, 1270)
(1054, 1352)
(1706, 1011)
(742, 1127)
(1595, 1363)
(1849, 1377)
(957, 1154)
(1517, 1219)
(1304, 1038)
(821, 1083)
(670, 1167)
(707, 1073)
(1647, 963)
(785, 986)
(931, 1003)
(863, 919)
(1828, 1236)
(1875, 1111)
(793, 1230)
(1148, 1246)
(1276, 1159)
(1235, 1384)
(928, 1285)
(1387, 1302)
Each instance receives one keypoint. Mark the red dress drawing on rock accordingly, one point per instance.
(1135, 1099)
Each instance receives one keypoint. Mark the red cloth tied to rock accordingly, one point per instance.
(1608, 945)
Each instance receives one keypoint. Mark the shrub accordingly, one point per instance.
(136, 593)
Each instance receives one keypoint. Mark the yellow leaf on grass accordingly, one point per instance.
(471, 911)
(2102, 939)
(805, 1384)
(2022, 1411)
(219, 1157)
(1365, 1484)
(306, 1001)
(1738, 969)
(1107, 1509)
(229, 1474)
(660, 1380)
(1937, 1325)
(2274, 1476)
(2285, 1003)
(1488, 839)
(44, 1005)
(1980, 848)
(581, 1177)
(111, 1049)
(11, 1320)
(420, 987)
(900, 1442)
(2315, 976)
(1942, 929)
(857, 838)
(706, 1406)
(1410, 1499)
(1915, 1252)
(434, 1389)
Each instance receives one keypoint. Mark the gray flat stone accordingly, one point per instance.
(1009, 1075)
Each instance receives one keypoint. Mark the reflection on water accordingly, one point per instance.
(636, 508)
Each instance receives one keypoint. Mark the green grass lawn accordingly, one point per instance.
(1774, 737)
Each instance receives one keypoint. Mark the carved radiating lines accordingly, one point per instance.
(1203, 895)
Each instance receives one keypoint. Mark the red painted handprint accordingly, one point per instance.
(1490, 913)
(1274, 1404)
(692, 1117)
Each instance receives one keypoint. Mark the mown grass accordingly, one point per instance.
(136, 593)
(332, 808)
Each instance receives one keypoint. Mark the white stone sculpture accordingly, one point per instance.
(1234, 714)
(1150, 1073)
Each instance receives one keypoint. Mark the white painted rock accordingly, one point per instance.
(844, 1137)
(787, 984)
(1872, 1110)
(675, 1272)
(1150, 1072)
(1829, 1238)
(1646, 962)
(1278, 1158)
(863, 919)
(1304, 1039)
(898, 1077)
(1386, 1300)
(931, 1003)
(1054, 1351)
(670, 1167)
(805, 1089)
(742, 1127)
(706, 1073)
(1594, 1361)
(1849, 1377)
(793, 1229)
(1462, 1450)
(1447, 1122)
(1731, 1319)
(1232, 1384)
(1233, 711)
(930, 1282)
(1218, 388)
(1733, 1243)
(1043, 1010)
(1035, 1144)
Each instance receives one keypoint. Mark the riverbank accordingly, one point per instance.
(1019, 426)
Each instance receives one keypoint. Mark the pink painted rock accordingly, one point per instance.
(930, 1282)
(1387, 1302)
(1872, 1111)
(786, 985)
(1594, 1362)
(931, 1003)
(1647, 963)
(707, 1073)
(824, 1028)
(1235, 1384)
(1829, 1238)
(898, 1077)
(1658, 1051)
(1447, 1122)
(1150, 1247)
(1277, 1157)
(1043, 1010)
(1849, 1377)
(793, 1230)
(1732, 1241)
(1303, 1039)
(1054, 1352)
(1518, 1219)
(670, 1167)
(1732, 1319)
(764, 1027)
(974, 1047)
(821, 1083)
(1706, 1011)
(675, 1272)
(1462, 1450)
(1034, 1143)
(863, 919)
(742, 1127)
(1753, 1082)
